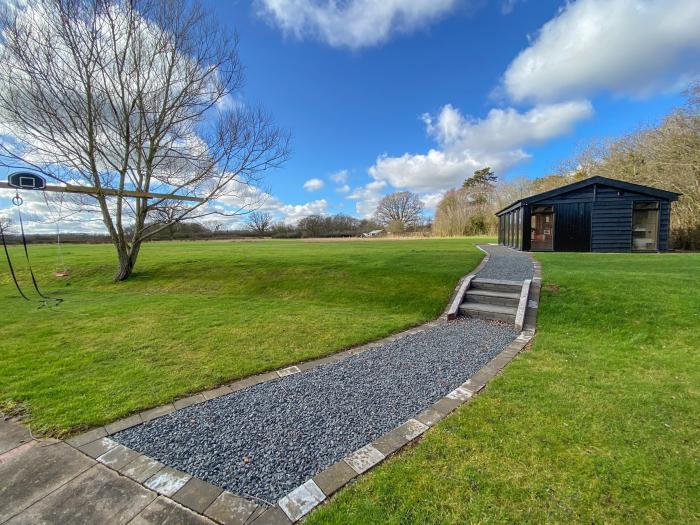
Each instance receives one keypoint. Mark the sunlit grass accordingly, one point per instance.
(196, 314)
(599, 422)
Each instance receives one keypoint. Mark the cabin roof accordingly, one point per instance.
(614, 183)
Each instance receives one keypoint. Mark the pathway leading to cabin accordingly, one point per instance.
(505, 264)
(261, 441)
(268, 439)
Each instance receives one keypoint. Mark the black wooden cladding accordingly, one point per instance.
(595, 215)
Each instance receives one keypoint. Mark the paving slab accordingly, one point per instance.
(397, 438)
(123, 424)
(87, 437)
(163, 511)
(157, 412)
(365, 458)
(460, 394)
(197, 494)
(118, 457)
(12, 435)
(98, 447)
(230, 509)
(217, 392)
(446, 405)
(272, 516)
(429, 417)
(189, 401)
(97, 496)
(142, 468)
(334, 477)
(167, 481)
(310, 365)
(16, 452)
(299, 502)
(28, 477)
(289, 371)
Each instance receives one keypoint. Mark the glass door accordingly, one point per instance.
(645, 226)
(542, 228)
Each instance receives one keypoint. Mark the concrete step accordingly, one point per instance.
(496, 285)
(492, 297)
(489, 312)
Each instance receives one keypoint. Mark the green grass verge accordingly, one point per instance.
(196, 314)
(598, 423)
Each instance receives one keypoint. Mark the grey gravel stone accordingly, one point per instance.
(506, 264)
(270, 438)
(266, 439)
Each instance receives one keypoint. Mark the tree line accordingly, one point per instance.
(665, 155)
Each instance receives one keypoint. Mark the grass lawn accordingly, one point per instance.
(196, 314)
(599, 422)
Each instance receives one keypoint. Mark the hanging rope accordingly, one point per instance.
(17, 201)
(9, 263)
(29, 265)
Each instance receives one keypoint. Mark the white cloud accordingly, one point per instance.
(292, 213)
(229, 103)
(251, 197)
(467, 144)
(339, 177)
(633, 47)
(41, 216)
(507, 6)
(367, 198)
(313, 184)
(431, 200)
(352, 23)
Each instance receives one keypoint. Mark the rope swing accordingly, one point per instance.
(18, 201)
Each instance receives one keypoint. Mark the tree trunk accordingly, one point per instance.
(127, 261)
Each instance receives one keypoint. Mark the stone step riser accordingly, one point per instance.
(488, 299)
(495, 287)
(487, 316)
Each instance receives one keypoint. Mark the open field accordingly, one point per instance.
(598, 423)
(196, 314)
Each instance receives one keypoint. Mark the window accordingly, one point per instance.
(512, 229)
(508, 230)
(645, 226)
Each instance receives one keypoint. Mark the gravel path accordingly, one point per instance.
(268, 439)
(506, 264)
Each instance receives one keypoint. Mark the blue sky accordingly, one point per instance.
(346, 105)
(391, 95)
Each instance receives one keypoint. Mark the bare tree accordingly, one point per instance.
(214, 226)
(666, 155)
(400, 210)
(132, 95)
(260, 222)
(5, 224)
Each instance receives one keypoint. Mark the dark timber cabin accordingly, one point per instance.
(596, 215)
